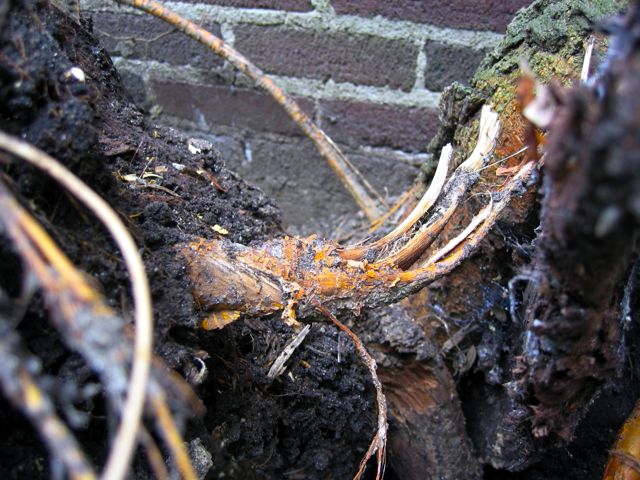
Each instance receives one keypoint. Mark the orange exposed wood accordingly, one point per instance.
(624, 459)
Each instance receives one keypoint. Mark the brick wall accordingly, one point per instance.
(369, 71)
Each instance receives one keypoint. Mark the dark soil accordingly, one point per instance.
(315, 420)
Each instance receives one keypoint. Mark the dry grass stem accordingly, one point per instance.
(125, 438)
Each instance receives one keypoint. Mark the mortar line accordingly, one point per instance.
(227, 33)
(318, 22)
(302, 87)
(421, 65)
(239, 134)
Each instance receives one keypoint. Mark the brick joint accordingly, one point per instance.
(369, 71)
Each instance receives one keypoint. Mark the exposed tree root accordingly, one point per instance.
(281, 274)
(358, 187)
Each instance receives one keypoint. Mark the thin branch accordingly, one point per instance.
(125, 438)
(361, 191)
(379, 443)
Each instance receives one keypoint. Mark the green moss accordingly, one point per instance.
(557, 28)
(550, 36)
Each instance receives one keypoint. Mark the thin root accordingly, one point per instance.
(125, 438)
(379, 443)
(396, 206)
(154, 455)
(171, 436)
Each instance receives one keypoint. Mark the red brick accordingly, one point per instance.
(144, 37)
(356, 124)
(469, 14)
(359, 59)
(308, 191)
(223, 105)
(289, 5)
(449, 63)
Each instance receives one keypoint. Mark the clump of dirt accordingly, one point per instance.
(307, 423)
(60, 91)
(444, 355)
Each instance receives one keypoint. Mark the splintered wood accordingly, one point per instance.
(301, 275)
(292, 274)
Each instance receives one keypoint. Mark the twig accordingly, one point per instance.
(278, 365)
(361, 191)
(379, 443)
(125, 438)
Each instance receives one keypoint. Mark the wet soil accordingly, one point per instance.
(315, 420)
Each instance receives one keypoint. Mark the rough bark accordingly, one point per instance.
(464, 390)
